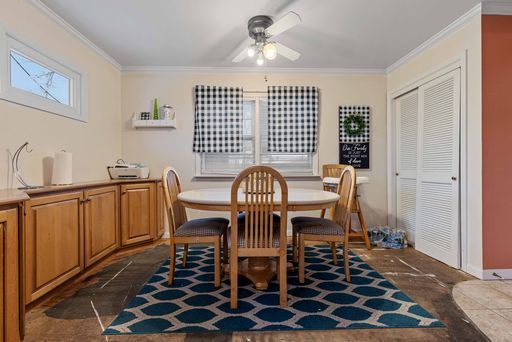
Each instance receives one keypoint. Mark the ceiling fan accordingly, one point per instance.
(262, 30)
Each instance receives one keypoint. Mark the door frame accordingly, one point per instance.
(459, 61)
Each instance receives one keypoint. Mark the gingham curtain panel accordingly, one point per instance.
(218, 119)
(292, 119)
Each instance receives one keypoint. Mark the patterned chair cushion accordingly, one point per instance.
(275, 217)
(203, 227)
(241, 230)
(241, 237)
(302, 219)
(317, 225)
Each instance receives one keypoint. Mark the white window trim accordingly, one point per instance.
(255, 96)
(76, 110)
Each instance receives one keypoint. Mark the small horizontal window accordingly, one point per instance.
(28, 75)
(33, 79)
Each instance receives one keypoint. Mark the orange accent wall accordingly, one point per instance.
(497, 141)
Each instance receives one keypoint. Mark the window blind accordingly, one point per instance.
(292, 119)
(218, 126)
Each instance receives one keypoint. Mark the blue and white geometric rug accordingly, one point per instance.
(325, 301)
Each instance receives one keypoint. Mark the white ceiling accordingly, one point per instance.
(348, 34)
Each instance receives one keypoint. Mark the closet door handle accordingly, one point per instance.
(454, 178)
(397, 174)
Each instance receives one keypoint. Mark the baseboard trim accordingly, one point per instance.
(474, 271)
(497, 274)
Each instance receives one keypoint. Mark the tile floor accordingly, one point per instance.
(488, 304)
(79, 311)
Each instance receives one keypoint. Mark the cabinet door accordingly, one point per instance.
(54, 242)
(9, 276)
(101, 223)
(137, 213)
(160, 210)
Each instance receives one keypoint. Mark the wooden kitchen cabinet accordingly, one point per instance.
(101, 223)
(54, 240)
(160, 223)
(9, 275)
(138, 209)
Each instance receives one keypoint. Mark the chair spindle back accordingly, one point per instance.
(258, 185)
(346, 190)
(176, 213)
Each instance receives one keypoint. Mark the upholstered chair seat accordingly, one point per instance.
(241, 230)
(203, 227)
(316, 225)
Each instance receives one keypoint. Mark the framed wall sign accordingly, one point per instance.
(354, 137)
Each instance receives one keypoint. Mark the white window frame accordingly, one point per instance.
(76, 108)
(257, 97)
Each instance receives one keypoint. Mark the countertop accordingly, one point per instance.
(10, 196)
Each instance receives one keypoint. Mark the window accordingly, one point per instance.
(255, 148)
(32, 79)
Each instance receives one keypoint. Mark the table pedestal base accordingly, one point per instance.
(259, 270)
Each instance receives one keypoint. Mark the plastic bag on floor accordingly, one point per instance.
(387, 237)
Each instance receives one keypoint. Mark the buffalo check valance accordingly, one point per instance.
(218, 124)
(292, 119)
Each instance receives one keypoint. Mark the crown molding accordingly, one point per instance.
(497, 8)
(254, 70)
(454, 26)
(73, 31)
(490, 7)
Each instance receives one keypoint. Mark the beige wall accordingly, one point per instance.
(112, 98)
(467, 39)
(160, 147)
(94, 144)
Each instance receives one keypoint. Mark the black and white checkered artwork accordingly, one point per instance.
(346, 111)
(292, 119)
(218, 126)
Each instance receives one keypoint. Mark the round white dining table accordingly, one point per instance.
(219, 199)
(260, 270)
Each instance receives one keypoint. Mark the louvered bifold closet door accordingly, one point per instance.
(406, 114)
(437, 215)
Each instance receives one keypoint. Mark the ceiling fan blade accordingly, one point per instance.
(285, 51)
(285, 23)
(243, 47)
(241, 56)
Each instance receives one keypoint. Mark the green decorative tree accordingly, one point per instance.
(155, 110)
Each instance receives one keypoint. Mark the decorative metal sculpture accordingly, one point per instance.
(16, 168)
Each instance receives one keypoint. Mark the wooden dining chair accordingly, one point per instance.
(259, 234)
(331, 171)
(334, 171)
(332, 231)
(185, 232)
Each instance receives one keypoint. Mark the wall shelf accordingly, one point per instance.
(166, 123)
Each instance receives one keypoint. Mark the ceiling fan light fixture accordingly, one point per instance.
(260, 61)
(251, 51)
(270, 51)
